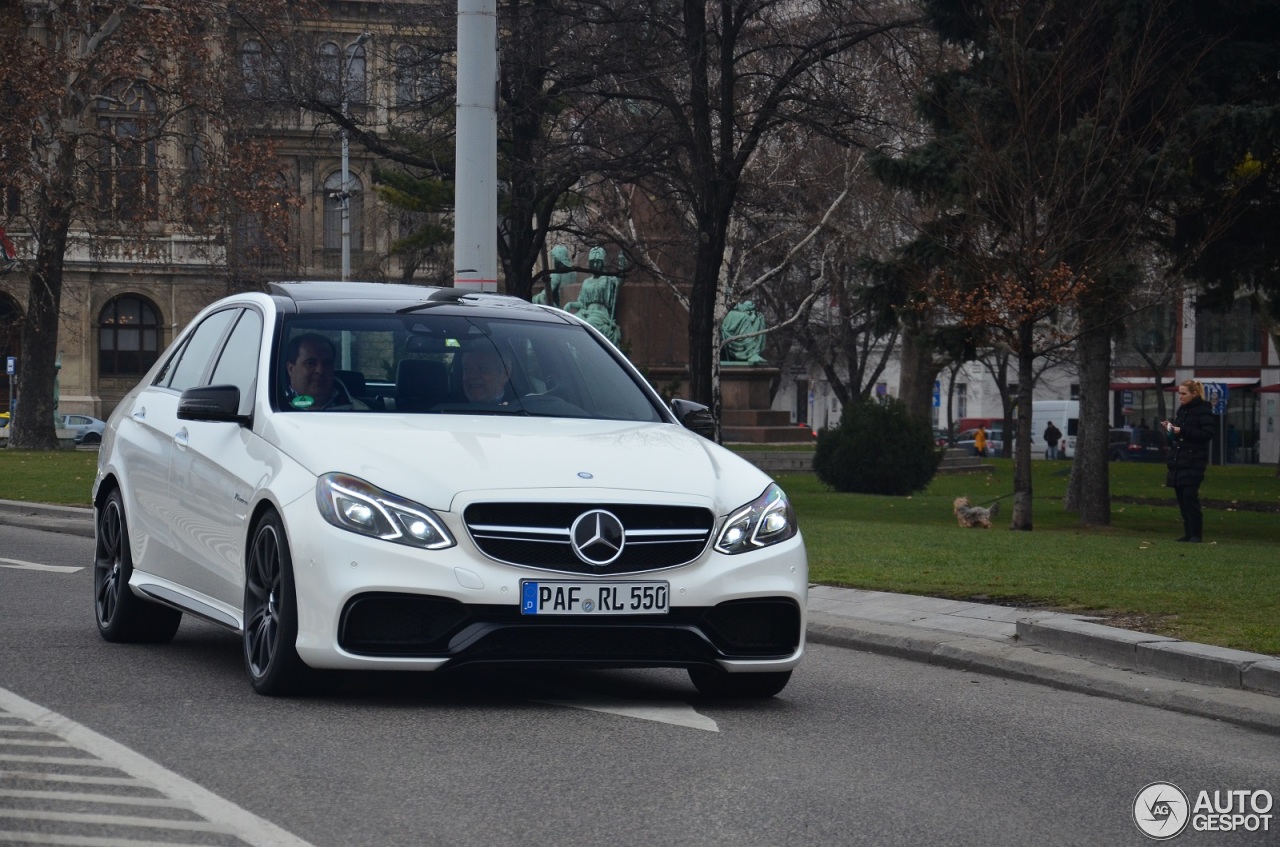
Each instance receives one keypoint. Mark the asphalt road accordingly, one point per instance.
(859, 749)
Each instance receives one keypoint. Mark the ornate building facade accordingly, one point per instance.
(125, 298)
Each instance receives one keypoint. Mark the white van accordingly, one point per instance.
(1065, 415)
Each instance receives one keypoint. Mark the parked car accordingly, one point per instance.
(88, 430)
(1138, 445)
(4, 419)
(484, 480)
(995, 439)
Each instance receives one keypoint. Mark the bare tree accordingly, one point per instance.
(115, 122)
(715, 82)
(1052, 144)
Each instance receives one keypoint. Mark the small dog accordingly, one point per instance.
(974, 517)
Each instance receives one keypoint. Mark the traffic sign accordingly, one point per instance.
(11, 366)
(1216, 394)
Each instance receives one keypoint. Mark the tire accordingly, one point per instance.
(123, 616)
(712, 682)
(271, 614)
(91, 438)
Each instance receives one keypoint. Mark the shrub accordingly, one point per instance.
(877, 449)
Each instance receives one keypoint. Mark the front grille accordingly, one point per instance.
(537, 535)
(403, 625)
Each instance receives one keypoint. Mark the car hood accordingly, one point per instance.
(432, 459)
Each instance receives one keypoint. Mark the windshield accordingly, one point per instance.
(452, 364)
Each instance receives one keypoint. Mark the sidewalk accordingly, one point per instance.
(1064, 651)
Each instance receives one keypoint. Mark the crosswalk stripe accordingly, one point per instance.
(218, 816)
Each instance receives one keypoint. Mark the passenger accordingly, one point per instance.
(312, 386)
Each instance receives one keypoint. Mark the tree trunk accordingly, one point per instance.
(1089, 488)
(1022, 489)
(32, 427)
(703, 342)
(916, 377)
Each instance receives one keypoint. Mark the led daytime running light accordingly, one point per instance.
(355, 505)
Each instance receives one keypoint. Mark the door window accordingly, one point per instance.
(238, 363)
(193, 360)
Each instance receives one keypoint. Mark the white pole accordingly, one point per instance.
(345, 195)
(345, 200)
(475, 235)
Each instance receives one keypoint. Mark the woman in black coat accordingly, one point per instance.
(1192, 430)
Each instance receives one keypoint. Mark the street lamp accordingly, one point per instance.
(344, 194)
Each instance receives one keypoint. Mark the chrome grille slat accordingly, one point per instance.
(538, 535)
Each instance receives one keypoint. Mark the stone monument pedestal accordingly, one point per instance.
(745, 416)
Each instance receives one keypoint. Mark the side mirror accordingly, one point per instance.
(211, 403)
(695, 417)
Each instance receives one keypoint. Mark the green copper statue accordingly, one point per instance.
(562, 274)
(742, 321)
(598, 300)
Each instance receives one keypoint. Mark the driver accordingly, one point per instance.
(484, 378)
(312, 385)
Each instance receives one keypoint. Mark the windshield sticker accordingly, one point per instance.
(303, 401)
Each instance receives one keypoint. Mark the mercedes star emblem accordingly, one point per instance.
(597, 537)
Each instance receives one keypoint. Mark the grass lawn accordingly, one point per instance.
(1225, 591)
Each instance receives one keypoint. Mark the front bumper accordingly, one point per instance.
(369, 604)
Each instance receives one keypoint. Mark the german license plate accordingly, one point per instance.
(555, 597)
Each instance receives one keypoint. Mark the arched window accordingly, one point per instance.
(333, 195)
(355, 76)
(126, 178)
(252, 69)
(406, 75)
(419, 76)
(329, 73)
(128, 337)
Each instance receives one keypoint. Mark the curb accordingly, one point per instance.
(1033, 663)
(68, 519)
(1202, 664)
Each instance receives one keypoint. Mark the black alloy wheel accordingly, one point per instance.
(718, 684)
(122, 616)
(271, 614)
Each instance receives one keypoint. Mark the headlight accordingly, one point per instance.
(766, 520)
(355, 505)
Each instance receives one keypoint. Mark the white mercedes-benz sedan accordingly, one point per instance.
(369, 476)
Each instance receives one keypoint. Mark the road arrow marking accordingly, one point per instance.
(19, 565)
(680, 714)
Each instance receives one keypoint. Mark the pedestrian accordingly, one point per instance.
(1191, 430)
(980, 441)
(1052, 435)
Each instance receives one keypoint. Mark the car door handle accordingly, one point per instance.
(140, 414)
(181, 437)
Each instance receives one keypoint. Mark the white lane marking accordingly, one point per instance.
(679, 714)
(53, 760)
(85, 841)
(85, 797)
(111, 820)
(18, 564)
(38, 776)
(30, 742)
(231, 817)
